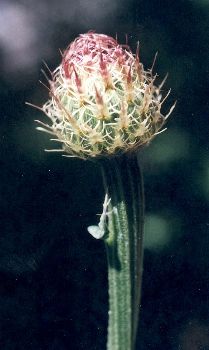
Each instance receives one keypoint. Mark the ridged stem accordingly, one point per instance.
(123, 183)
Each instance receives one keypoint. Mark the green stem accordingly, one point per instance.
(123, 183)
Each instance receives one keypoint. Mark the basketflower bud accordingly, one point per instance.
(102, 101)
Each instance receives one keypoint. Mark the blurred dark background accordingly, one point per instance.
(53, 284)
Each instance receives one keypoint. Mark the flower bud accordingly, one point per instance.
(102, 101)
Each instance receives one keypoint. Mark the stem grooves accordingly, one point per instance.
(122, 181)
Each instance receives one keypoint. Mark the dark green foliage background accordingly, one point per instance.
(53, 285)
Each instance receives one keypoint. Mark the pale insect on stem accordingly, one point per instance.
(98, 231)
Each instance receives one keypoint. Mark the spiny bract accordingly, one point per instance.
(102, 101)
